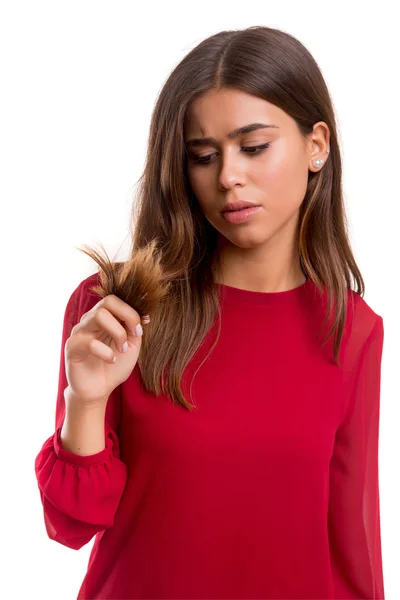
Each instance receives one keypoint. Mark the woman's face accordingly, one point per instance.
(273, 176)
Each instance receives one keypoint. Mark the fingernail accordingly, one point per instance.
(139, 330)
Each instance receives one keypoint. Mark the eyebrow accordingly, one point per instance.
(233, 134)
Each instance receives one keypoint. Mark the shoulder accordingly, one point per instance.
(360, 320)
(83, 298)
(363, 318)
(363, 324)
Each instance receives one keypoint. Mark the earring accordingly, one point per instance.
(319, 161)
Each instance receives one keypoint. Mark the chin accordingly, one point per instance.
(249, 238)
(248, 243)
(245, 235)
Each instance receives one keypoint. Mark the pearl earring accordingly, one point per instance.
(319, 161)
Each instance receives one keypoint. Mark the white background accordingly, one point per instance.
(78, 84)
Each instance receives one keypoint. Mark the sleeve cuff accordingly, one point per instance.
(77, 459)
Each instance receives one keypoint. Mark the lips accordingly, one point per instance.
(241, 216)
(240, 209)
(237, 206)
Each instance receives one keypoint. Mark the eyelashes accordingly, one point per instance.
(252, 150)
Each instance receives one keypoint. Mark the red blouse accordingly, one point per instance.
(269, 489)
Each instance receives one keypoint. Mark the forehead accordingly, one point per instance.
(217, 113)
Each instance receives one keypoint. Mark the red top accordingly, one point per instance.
(269, 489)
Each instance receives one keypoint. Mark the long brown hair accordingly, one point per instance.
(169, 272)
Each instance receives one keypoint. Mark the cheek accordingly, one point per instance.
(283, 179)
(202, 187)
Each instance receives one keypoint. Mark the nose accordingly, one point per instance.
(231, 173)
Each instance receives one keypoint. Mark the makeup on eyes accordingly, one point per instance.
(254, 150)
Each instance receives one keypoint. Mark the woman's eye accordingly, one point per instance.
(248, 149)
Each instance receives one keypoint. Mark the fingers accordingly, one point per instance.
(106, 317)
(102, 351)
(121, 310)
(108, 323)
(80, 345)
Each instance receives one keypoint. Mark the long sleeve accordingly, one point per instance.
(354, 513)
(80, 494)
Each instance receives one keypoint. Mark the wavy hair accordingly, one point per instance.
(169, 272)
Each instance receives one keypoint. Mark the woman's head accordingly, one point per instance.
(268, 164)
(229, 80)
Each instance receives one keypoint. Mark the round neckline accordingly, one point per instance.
(241, 296)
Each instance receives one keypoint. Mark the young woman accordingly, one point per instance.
(232, 450)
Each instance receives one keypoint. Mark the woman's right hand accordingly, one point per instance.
(89, 351)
